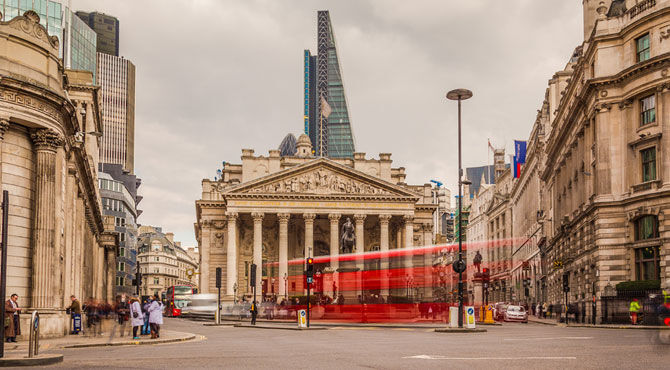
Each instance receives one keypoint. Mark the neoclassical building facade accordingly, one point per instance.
(59, 244)
(275, 211)
(606, 177)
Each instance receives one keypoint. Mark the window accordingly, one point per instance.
(158, 259)
(122, 252)
(647, 263)
(648, 164)
(122, 266)
(646, 227)
(648, 110)
(157, 281)
(642, 48)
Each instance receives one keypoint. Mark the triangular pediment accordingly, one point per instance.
(321, 177)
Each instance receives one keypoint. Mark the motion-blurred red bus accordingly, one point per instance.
(176, 298)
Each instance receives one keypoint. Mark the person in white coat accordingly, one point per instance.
(155, 317)
(136, 316)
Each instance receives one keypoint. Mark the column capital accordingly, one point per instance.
(4, 126)
(232, 216)
(283, 217)
(47, 139)
(360, 217)
(384, 218)
(334, 217)
(257, 216)
(309, 216)
(408, 218)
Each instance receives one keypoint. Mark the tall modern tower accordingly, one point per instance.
(107, 29)
(325, 107)
(116, 76)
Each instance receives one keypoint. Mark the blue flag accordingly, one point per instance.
(519, 156)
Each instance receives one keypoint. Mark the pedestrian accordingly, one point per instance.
(136, 316)
(121, 311)
(145, 313)
(254, 312)
(75, 311)
(551, 309)
(634, 309)
(155, 317)
(545, 308)
(11, 320)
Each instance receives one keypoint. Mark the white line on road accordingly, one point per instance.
(429, 357)
(554, 338)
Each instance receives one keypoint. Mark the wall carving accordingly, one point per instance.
(319, 182)
(30, 24)
(31, 103)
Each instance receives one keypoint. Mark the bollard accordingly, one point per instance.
(489, 315)
(34, 337)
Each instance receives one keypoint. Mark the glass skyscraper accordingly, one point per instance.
(77, 41)
(326, 114)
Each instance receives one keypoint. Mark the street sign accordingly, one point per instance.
(470, 317)
(310, 280)
(302, 318)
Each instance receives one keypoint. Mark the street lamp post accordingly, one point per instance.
(460, 94)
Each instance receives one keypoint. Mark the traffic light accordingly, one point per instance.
(309, 269)
(252, 275)
(218, 277)
(486, 275)
(566, 282)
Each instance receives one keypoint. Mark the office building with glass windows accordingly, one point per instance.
(326, 115)
(118, 191)
(107, 29)
(77, 41)
(116, 76)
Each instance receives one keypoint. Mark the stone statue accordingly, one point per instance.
(348, 237)
(477, 261)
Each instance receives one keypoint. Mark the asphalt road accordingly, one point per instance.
(522, 346)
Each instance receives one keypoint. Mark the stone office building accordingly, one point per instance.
(607, 174)
(59, 244)
(272, 210)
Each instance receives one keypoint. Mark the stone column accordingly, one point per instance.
(100, 272)
(283, 253)
(309, 234)
(384, 247)
(334, 283)
(111, 273)
(46, 144)
(360, 233)
(409, 244)
(409, 231)
(334, 239)
(231, 255)
(205, 250)
(4, 127)
(258, 252)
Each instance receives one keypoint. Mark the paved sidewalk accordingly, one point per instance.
(81, 341)
(602, 326)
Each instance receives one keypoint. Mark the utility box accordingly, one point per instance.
(453, 317)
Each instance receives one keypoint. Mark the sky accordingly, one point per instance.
(216, 76)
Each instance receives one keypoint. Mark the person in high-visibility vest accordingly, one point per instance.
(634, 308)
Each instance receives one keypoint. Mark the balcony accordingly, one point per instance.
(645, 186)
(640, 7)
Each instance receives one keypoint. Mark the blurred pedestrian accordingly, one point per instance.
(634, 308)
(545, 308)
(121, 311)
(136, 316)
(11, 320)
(155, 317)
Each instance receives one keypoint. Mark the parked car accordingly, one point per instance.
(516, 313)
(499, 311)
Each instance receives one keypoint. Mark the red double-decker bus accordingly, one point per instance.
(176, 298)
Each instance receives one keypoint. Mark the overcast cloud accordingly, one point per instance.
(216, 76)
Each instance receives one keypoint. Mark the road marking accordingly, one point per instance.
(553, 338)
(403, 329)
(430, 357)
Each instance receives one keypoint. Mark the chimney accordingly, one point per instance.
(170, 237)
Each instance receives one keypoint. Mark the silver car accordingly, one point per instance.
(516, 313)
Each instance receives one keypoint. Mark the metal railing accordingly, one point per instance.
(34, 338)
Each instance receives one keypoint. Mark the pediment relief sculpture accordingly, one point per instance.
(322, 181)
